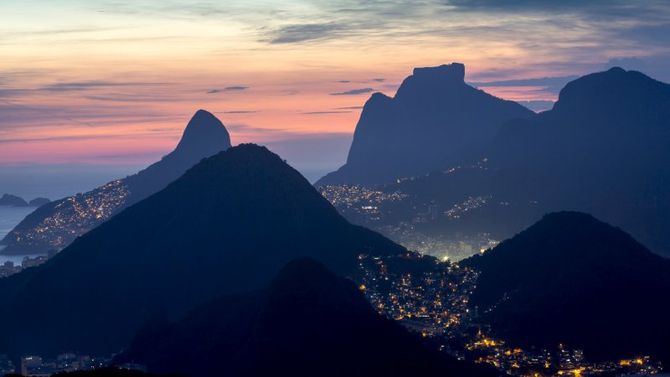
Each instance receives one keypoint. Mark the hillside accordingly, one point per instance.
(574, 280)
(55, 225)
(226, 225)
(307, 322)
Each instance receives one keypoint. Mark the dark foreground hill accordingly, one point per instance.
(574, 280)
(308, 322)
(434, 121)
(602, 149)
(55, 225)
(226, 225)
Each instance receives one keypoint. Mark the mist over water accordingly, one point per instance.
(52, 182)
(9, 218)
(56, 182)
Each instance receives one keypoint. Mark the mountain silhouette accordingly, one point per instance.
(12, 201)
(308, 322)
(575, 280)
(434, 121)
(602, 150)
(228, 224)
(56, 224)
(204, 136)
(38, 202)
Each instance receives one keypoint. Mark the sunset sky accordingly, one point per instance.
(113, 83)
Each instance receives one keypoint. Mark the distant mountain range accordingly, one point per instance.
(602, 149)
(575, 280)
(434, 121)
(227, 225)
(57, 224)
(308, 322)
(16, 201)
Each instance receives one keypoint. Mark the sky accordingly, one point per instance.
(111, 84)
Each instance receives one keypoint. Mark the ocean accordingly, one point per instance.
(9, 218)
(53, 182)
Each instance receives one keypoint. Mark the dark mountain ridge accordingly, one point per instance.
(203, 136)
(306, 322)
(55, 225)
(602, 149)
(226, 225)
(434, 121)
(575, 280)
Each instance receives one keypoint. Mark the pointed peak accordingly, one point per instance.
(572, 222)
(203, 119)
(616, 70)
(204, 132)
(250, 151)
(569, 216)
(203, 116)
(244, 158)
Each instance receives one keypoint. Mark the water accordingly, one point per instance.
(53, 182)
(9, 218)
(56, 182)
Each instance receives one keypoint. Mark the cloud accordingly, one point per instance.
(550, 84)
(535, 4)
(379, 79)
(17, 116)
(75, 86)
(240, 112)
(124, 97)
(304, 32)
(353, 92)
(22, 140)
(94, 84)
(326, 112)
(349, 108)
(12, 92)
(244, 128)
(234, 88)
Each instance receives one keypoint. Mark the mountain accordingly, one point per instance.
(602, 150)
(12, 201)
(575, 280)
(38, 202)
(55, 225)
(434, 121)
(307, 322)
(204, 136)
(227, 225)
